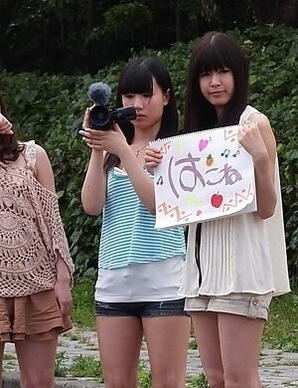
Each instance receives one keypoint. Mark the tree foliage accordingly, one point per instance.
(69, 36)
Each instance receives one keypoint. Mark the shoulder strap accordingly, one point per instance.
(249, 110)
(30, 154)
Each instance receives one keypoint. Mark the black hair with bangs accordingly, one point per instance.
(137, 78)
(215, 51)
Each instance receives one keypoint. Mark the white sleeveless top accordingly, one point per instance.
(241, 253)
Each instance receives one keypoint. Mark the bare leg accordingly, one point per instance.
(206, 330)
(37, 363)
(167, 341)
(229, 347)
(119, 341)
(240, 341)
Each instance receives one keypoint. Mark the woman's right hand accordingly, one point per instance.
(5, 126)
(90, 136)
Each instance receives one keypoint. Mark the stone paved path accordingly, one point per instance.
(278, 369)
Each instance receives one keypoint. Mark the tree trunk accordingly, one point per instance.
(289, 13)
(276, 11)
(177, 22)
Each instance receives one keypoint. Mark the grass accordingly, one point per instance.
(83, 305)
(86, 366)
(82, 366)
(281, 332)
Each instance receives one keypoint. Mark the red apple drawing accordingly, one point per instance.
(216, 200)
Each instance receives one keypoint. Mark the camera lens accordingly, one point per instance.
(100, 117)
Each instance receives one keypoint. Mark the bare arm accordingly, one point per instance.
(94, 187)
(62, 288)
(93, 192)
(142, 183)
(44, 174)
(258, 139)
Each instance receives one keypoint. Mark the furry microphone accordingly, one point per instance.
(101, 117)
(99, 93)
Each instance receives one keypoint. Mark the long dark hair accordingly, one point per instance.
(9, 146)
(137, 77)
(215, 51)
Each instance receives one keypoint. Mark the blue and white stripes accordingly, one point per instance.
(127, 234)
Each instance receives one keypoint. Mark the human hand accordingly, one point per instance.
(250, 138)
(153, 157)
(5, 126)
(88, 134)
(112, 141)
(63, 295)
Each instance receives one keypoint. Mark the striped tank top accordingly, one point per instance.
(128, 235)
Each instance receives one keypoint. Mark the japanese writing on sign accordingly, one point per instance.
(203, 176)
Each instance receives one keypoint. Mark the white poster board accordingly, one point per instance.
(203, 176)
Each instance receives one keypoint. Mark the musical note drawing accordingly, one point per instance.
(225, 153)
(159, 181)
(236, 153)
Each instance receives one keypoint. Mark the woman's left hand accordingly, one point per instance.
(63, 295)
(112, 141)
(250, 138)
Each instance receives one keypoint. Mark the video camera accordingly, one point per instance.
(102, 117)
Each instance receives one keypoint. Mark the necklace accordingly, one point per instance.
(140, 149)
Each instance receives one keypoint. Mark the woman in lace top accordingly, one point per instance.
(35, 265)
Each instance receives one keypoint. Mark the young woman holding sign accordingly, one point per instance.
(235, 264)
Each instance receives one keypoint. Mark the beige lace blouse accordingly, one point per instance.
(31, 231)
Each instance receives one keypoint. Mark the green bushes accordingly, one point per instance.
(50, 109)
(274, 72)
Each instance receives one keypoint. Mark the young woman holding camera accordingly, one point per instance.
(139, 267)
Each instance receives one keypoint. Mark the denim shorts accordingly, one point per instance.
(249, 305)
(141, 309)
